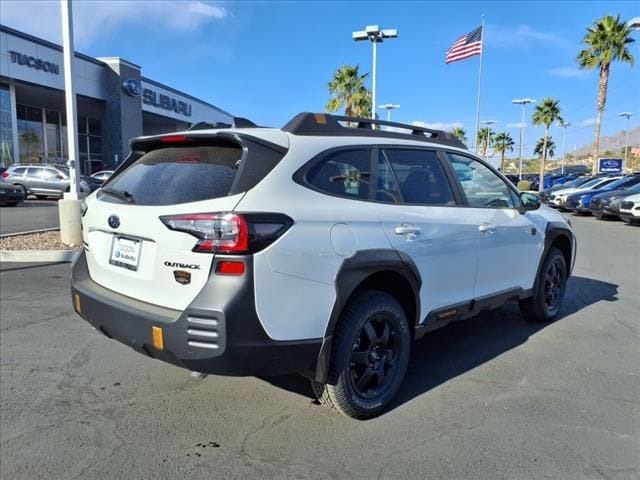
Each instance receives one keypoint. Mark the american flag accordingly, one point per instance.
(466, 46)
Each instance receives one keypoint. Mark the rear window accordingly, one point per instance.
(193, 172)
(179, 175)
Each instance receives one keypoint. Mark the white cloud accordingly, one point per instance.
(516, 125)
(448, 127)
(589, 122)
(98, 19)
(520, 35)
(567, 72)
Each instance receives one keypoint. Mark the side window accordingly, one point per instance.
(482, 187)
(34, 172)
(419, 176)
(49, 174)
(19, 171)
(346, 174)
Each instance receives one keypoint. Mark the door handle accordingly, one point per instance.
(487, 228)
(406, 230)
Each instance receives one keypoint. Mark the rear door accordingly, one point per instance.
(420, 217)
(130, 250)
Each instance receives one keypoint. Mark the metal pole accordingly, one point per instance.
(388, 114)
(564, 148)
(70, 98)
(373, 91)
(626, 143)
(521, 141)
(479, 81)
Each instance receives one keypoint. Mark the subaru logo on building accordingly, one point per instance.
(114, 221)
(132, 87)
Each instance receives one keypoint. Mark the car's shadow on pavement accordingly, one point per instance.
(457, 348)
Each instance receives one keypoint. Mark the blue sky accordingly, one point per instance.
(269, 61)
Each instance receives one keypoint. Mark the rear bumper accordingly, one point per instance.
(219, 333)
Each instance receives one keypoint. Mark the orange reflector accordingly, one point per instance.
(76, 301)
(320, 119)
(158, 342)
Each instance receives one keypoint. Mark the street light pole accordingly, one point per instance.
(564, 125)
(375, 35)
(69, 207)
(626, 137)
(388, 107)
(523, 102)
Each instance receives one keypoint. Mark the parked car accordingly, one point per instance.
(102, 176)
(318, 249)
(607, 205)
(630, 209)
(10, 195)
(558, 198)
(580, 202)
(42, 180)
(545, 195)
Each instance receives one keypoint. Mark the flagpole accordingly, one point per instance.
(480, 82)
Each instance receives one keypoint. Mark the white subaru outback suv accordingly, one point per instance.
(323, 248)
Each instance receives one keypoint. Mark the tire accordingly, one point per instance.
(374, 327)
(21, 187)
(552, 283)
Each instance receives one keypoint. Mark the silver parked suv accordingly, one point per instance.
(42, 180)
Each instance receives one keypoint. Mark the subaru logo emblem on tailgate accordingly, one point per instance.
(182, 277)
(114, 221)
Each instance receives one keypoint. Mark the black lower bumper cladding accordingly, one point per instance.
(219, 333)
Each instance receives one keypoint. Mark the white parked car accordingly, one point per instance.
(317, 248)
(630, 209)
(559, 197)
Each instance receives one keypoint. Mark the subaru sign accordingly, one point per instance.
(610, 165)
(132, 87)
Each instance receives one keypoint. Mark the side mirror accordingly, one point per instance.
(529, 201)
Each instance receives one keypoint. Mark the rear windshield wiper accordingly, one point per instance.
(121, 194)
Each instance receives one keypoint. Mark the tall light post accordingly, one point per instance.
(488, 123)
(388, 107)
(626, 137)
(375, 35)
(564, 126)
(523, 102)
(69, 207)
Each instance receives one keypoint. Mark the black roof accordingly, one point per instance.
(323, 124)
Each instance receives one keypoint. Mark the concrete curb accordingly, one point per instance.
(30, 232)
(38, 256)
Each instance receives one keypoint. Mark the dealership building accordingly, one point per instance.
(115, 102)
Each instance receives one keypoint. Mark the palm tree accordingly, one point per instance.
(606, 41)
(461, 134)
(546, 113)
(503, 143)
(551, 147)
(348, 90)
(485, 139)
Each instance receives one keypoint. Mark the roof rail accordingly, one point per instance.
(311, 124)
(237, 122)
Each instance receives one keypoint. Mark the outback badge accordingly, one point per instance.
(182, 277)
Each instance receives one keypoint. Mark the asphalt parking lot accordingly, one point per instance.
(493, 397)
(29, 215)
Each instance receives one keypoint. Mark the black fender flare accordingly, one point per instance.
(553, 231)
(353, 271)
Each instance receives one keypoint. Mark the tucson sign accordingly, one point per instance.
(33, 62)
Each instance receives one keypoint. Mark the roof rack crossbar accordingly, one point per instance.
(332, 125)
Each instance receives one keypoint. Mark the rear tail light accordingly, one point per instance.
(5, 174)
(174, 139)
(226, 232)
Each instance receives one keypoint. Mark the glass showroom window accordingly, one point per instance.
(54, 144)
(6, 137)
(30, 134)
